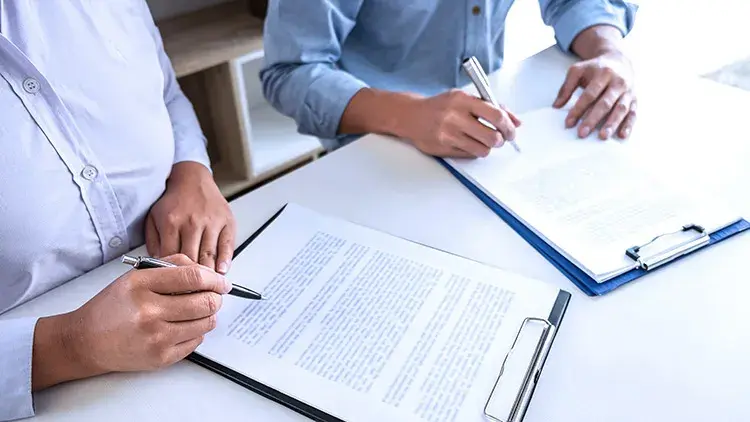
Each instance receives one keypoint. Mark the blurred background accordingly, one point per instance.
(216, 47)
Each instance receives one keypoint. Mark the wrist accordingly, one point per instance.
(405, 111)
(377, 111)
(188, 173)
(59, 354)
(597, 41)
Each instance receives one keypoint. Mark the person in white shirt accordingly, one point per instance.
(100, 151)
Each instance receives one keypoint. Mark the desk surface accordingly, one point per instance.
(671, 347)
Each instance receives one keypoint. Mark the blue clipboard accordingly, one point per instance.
(582, 280)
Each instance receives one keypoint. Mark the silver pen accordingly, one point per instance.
(479, 78)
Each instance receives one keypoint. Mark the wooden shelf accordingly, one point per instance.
(230, 185)
(209, 37)
(276, 144)
(216, 53)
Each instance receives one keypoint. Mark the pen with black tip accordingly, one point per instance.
(479, 78)
(143, 262)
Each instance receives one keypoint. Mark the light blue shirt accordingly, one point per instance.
(91, 122)
(319, 54)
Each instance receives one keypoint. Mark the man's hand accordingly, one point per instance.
(136, 323)
(192, 218)
(606, 75)
(607, 99)
(448, 125)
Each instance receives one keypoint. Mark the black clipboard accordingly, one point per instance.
(518, 412)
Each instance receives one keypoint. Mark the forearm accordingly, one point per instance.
(57, 354)
(377, 111)
(597, 40)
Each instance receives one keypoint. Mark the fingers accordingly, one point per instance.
(169, 238)
(458, 153)
(589, 97)
(225, 249)
(190, 241)
(481, 133)
(513, 118)
(471, 146)
(189, 307)
(179, 259)
(572, 81)
(495, 116)
(627, 125)
(207, 255)
(188, 330)
(152, 237)
(599, 110)
(616, 116)
(192, 278)
(181, 351)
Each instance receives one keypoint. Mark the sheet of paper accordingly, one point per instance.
(371, 327)
(590, 199)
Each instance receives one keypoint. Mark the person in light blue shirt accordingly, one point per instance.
(99, 152)
(346, 67)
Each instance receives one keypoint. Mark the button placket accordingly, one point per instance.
(115, 242)
(31, 85)
(89, 173)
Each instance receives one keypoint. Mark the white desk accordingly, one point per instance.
(671, 347)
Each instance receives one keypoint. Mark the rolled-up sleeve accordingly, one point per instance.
(190, 142)
(300, 77)
(16, 346)
(570, 17)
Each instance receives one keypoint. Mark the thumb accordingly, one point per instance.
(185, 279)
(178, 259)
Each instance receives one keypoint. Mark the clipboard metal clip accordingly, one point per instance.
(675, 251)
(518, 406)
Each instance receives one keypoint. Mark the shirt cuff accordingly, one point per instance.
(192, 150)
(585, 14)
(16, 348)
(325, 102)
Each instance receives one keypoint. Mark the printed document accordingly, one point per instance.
(366, 326)
(589, 199)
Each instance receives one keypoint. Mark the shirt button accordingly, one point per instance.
(31, 85)
(115, 242)
(476, 10)
(90, 173)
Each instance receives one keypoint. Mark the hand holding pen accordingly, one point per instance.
(479, 78)
(143, 320)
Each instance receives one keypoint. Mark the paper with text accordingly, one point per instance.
(370, 327)
(589, 199)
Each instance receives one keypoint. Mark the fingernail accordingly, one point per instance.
(228, 285)
(607, 133)
(585, 131)
(625, 133)
(570, 122)
(223, 267)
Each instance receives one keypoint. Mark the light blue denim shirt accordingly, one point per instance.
(320, 53)
(91, 122)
